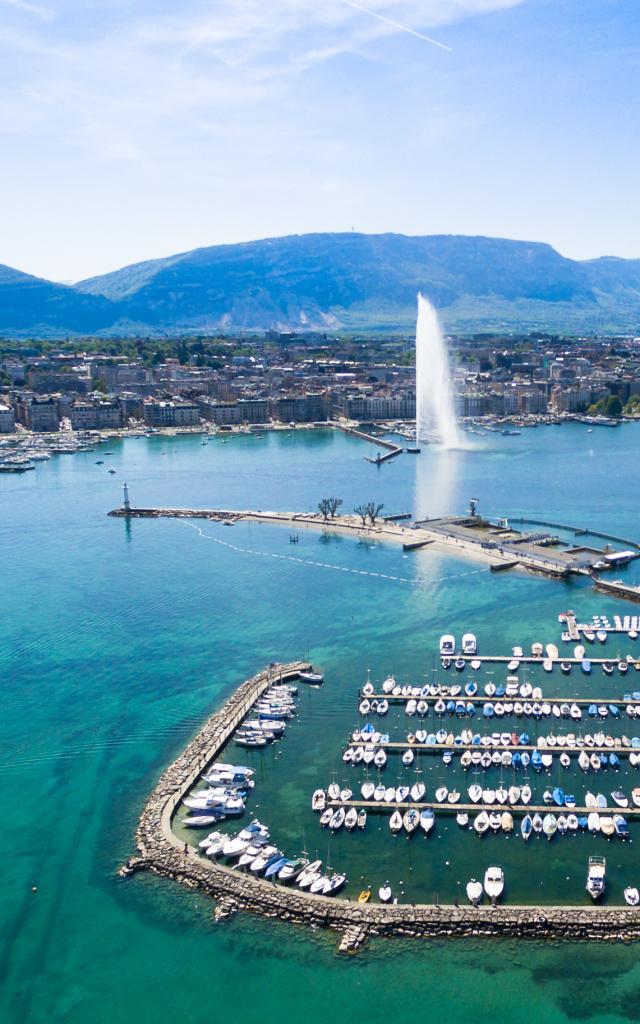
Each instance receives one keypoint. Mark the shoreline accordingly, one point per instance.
(162, 853)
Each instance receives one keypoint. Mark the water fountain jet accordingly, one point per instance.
(435, 411)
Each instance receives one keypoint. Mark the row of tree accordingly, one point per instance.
(368, 512)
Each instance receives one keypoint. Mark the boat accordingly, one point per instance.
(474, 892)
(395, 822)
(552, 652)
(337, 819)
(362, 818)
(364, 896)
(427, 820)
(309, 874)
(315, 678)
(384, 893)
(447, 645)
(318, 800)
(494, 883)
(292, 869)
(481, 823)
(596, 877)
(526, 827)
(536, 650)
(619, 797)
(601, 635)
(462, 819)
(351, 819)
(547, 665)
(549, 825)
(469, 644)
(200, 820)
(631, 896)
(476, 664)
(411, 820)
(459, 664)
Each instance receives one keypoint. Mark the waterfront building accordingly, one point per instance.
(170, 414)
(7, 420)
(38, 414)
(97, 415)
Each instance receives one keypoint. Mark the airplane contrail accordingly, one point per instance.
(396, 24)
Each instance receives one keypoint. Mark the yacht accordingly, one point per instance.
(494, 883)
(469, 644)
(447, 645)
(596, 877)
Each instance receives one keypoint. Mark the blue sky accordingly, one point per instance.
(132, 129)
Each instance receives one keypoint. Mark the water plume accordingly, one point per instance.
(435, 410)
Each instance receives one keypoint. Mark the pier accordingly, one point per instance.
(163, 853)
(500, 546)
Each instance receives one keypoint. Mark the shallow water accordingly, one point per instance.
(118, 639)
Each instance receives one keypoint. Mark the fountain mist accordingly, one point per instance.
(435, 411)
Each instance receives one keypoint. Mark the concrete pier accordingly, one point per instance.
(161, 852)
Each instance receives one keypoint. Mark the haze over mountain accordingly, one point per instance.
(333, 283)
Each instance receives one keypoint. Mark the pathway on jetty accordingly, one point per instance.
(162, 852)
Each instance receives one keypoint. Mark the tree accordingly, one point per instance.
(325, 508)
(373, 511)
(363, 512)
(329, 507)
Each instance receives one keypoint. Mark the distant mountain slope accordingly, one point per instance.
(38, 308)
(339, 282)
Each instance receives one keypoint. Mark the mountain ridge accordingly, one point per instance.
(335, 282)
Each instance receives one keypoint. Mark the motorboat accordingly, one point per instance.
(596, 877)
(292, 870)
(481, 823)
(631, 896)
(309, 874)
(462, 819)
(384, 893)
(547, 665)
(447, 645)
(362, 818)
(319, 800)
(494, 883)
(474, 892)
(469, 644)
(526, 827)
(619, 797)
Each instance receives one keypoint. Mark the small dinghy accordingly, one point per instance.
(474, 892)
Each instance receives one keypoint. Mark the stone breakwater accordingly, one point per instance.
(163, 853)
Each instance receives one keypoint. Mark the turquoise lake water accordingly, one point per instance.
(119, 639)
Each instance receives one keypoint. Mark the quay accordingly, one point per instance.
(162, 853)
(500, 546)
(617, 589)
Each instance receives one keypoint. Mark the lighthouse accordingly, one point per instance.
(126, 504)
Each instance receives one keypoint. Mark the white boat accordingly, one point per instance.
(481, 823)
(474, 892)
(547, 665)
(367, 789)
(319, 800)
(337, 820)
(293, 869)
(601, 635)
(596, 877)
(441, 794)
(395, 821)
(417, 792)
(384, 893)
(427, 820)
(309, 874)
(315, 678)
(631, 896)
(351, 819)
(407, 757)
(476, 664)
(411, 820)
(494, 883)
(447, 645)
(462, 819)
(469, 644)
(475, 793)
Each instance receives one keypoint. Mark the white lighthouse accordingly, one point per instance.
(126, 504)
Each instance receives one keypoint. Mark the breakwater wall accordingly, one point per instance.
(163, 853)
